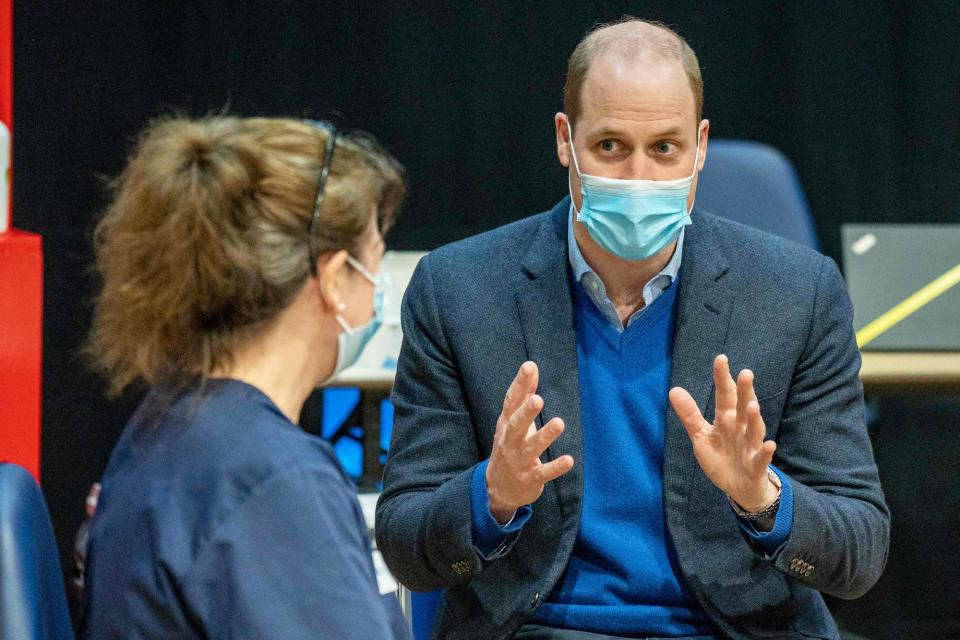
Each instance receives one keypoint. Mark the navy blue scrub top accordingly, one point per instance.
(220, 518)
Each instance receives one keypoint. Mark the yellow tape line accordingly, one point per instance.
(909, 306)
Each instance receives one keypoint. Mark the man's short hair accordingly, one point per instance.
(660, 43)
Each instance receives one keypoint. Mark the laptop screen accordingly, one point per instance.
(904, 281)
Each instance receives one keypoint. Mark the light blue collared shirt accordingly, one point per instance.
(597, 292)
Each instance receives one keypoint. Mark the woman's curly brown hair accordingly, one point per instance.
(206, 238)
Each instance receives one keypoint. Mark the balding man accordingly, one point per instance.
(625, 417)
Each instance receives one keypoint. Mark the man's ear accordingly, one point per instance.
(704, 139)
(563, 138)
(331, 274)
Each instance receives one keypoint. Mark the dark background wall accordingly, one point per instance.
(864, 97)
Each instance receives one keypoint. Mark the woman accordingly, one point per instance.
(238, 261)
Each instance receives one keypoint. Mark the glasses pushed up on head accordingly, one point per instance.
(366, 143)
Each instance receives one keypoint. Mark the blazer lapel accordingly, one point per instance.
(546, 316)
(703, 316)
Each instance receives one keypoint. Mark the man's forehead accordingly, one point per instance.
(638, 89)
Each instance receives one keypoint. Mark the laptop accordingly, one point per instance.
(904, 281)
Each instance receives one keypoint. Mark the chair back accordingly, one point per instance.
(754, 184)
(33, 602)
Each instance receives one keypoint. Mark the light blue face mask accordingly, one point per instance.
(351, 342)
(633, 219)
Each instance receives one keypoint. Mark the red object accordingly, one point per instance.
(21, 316)
(21, 305)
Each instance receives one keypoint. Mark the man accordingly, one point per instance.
(566, 499)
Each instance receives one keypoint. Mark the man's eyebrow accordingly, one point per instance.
(670, 132)
(613, 132)
(606, 132)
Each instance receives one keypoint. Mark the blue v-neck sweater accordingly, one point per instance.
(623, 577)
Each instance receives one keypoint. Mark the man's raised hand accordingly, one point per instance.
(515, 474)
(731, 451)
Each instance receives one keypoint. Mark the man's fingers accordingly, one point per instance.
(726, 388)
(765, 455)
(553, 469)
(687, 410)
(524, 383)
(745, 395)
(756, 430)
(538, 442)
(518, 426)
(533, 379)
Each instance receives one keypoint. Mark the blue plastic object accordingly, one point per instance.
(754, 184)
(33, 603)
(338, 404)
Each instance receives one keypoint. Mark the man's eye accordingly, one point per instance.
(608, 146)
(664, 147)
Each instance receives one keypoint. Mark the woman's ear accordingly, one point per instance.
(331, 273)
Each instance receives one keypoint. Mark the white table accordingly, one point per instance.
(911, 369)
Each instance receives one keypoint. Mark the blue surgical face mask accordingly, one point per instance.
(351, 342)
(633, 219)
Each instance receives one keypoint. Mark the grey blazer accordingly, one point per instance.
(476, 309)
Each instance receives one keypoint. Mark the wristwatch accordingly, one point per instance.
(767, 512)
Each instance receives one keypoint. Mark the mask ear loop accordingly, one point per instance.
(362, 270)
(696, 157)
(573, 151)
(576, 166)
(380, 282)
(343, 323)
(696, 161)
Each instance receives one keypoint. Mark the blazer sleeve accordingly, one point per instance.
(423, 524)
(841, 523)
